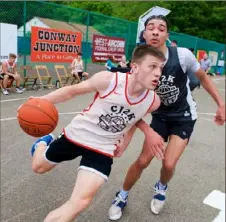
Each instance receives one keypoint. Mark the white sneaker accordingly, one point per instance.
(5, 92)
(118, 204)
(158, 200)
(18, 90)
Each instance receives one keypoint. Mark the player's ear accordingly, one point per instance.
(134, 67)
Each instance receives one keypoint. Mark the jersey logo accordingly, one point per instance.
(167, 92)
(117, 120)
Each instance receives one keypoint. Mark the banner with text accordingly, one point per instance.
(54, 45)
(104, 46)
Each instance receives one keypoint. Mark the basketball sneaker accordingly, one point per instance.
(45, 140)
(118, 204)
(158, 200)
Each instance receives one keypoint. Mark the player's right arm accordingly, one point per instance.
(97, 83)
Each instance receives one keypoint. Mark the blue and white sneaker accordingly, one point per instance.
(118, 204)
(158, 200)
(45, 139)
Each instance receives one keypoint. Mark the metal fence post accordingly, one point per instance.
(25, 15)
(87, 40)
(128, 41)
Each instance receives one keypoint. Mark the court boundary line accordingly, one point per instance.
(78, 112)
(64, 113)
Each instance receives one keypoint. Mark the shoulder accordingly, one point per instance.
(184, 52)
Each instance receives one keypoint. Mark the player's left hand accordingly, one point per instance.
(120, 148)
(220, 115)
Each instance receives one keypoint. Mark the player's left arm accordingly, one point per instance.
(193, 65)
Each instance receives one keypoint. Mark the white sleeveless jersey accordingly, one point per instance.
(109, 117)
(10, 68)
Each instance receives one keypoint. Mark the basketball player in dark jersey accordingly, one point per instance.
(174, 120)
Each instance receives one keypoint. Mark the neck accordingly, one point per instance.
(135, 89)
(163, 49)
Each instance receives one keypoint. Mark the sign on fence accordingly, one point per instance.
(54, 45)
(104, 46)
(8, 43)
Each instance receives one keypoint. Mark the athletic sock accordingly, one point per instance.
(161, 186)
(124, 194)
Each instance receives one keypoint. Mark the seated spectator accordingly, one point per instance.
(1, 76)
(173, 43)
(205, 63)
(194, 81)
(9, 72)
(123, 63)
(110, 63)
(78, 68)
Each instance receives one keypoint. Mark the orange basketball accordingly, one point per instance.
(37, 117)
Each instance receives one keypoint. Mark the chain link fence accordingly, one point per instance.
(26, 14)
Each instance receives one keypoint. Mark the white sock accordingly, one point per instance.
(161, 186)
(124, 194)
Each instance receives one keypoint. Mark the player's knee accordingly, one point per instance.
(82, 203)
(169, 165)
(6, 77)
(142, 163)
(39, 168)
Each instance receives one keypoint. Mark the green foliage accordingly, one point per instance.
(204, 19)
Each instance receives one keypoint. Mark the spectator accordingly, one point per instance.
(194, 81)
(9, 72)
(173, 43)
(109, 64)
(1, 76)
(123, 63)
(78, 68)
(205, 63)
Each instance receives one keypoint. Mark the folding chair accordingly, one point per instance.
(31, 76)
(43, 75)
(62, 75)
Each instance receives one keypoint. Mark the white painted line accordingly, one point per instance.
(219, 79)
(11, 100)
(216, 199)
(7, 119)
(13, 118)
(208, 114)
(210, 120)
(69, 113)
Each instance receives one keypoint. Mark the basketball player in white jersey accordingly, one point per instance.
(9, 72)
(121, 100)
(175, 118)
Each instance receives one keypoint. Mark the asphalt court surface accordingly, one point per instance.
(28, 197)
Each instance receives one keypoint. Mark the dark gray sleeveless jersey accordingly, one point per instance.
(177, 103)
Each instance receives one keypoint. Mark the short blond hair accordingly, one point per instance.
(12, 55)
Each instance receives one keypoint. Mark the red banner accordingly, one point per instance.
(104, 46)
(53, 45)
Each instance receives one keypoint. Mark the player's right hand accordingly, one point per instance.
(155, 143)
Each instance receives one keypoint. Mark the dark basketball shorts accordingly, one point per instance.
(63, 150)
(166, 128)
(2, 76)
(80, 74)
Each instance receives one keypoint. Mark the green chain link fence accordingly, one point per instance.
(63, 17)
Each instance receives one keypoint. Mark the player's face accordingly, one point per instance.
(11, 60)
(148, 71)
(156, 33)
